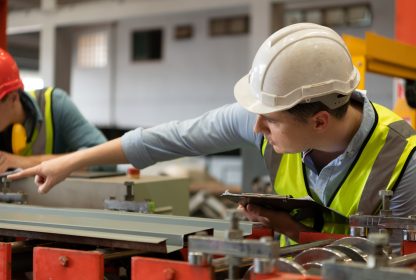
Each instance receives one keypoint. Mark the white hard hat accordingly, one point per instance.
(300, 63)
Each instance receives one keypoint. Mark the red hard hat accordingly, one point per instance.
(9, 74)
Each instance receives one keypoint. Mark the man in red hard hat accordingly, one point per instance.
(37, 125)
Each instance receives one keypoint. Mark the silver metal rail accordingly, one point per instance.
(154, 233)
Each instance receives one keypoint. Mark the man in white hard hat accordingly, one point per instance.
(319, 136)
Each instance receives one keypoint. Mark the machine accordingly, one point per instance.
(60, 243)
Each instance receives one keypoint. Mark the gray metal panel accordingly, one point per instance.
(91, 193)
(102, 227)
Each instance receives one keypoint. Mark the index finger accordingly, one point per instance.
(29, 172)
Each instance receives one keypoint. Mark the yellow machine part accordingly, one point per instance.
(381, 55)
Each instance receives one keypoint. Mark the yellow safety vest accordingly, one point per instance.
(41, 141)
(380, 163)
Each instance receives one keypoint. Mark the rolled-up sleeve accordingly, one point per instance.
(219, 130)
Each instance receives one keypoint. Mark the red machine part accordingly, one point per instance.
(158, 269)
(408, 247)
(65, 264)
(5, 261)
(307, 237)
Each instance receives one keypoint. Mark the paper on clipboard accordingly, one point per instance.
(278, 202)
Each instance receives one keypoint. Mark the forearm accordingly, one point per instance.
(279, 221)
(29, 161)
(288, 226)
(108, 153)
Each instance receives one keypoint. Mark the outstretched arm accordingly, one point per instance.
(51, 172)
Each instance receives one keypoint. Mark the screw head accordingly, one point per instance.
(63, 260)
(169, 273)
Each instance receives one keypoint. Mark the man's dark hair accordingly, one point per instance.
(4, 99)
(302, 111)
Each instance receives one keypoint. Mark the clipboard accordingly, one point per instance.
(281, 203)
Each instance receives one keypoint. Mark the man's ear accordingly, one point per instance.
(14, 97)
(320, 120)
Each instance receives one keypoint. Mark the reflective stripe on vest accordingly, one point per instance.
(387, 149)
(42, 138)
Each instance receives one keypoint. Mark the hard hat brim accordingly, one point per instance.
(244, 97)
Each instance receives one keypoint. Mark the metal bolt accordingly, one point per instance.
(169, 273)
(6, 184)
(199, 259)
(63, 260)
(264, 265)
(378, 257)
(129, 195)
(234, 232)
(358, 231)
(385, 195)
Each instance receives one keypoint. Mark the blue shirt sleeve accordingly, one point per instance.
(71, 130)
(222, 129)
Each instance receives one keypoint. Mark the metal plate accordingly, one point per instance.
(285, 265)
(155, 233)
(352, 252)
(315, 255)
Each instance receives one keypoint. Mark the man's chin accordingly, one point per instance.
(280, 150)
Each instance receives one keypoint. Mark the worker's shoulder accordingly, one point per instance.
(60, 96)
(61, 102)
(59, 93)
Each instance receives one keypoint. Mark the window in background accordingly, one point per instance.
(293, 16)
(339, 16)
(92, 50)
(147, 45)
(31, 80)
(335, 17)
(359, 15)
(183, 32)
(234, 25)
(314, 16)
